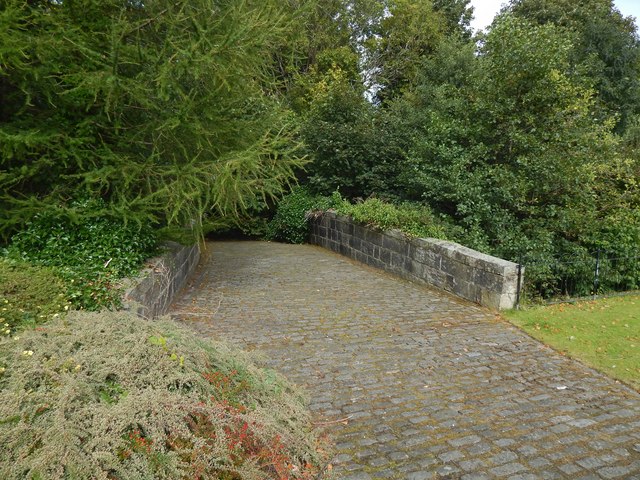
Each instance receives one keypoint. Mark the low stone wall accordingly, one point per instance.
(151, 293)
(469, 274)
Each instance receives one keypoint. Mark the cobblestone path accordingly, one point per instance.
(433, 387)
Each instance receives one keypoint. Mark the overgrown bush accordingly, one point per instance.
(28, 296)
(90, 256)
(413, 219)
(108, 395)
(290, 223)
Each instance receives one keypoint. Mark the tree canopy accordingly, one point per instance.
(167, 109)
(524, 137)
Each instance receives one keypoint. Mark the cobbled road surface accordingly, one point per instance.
(431, 386)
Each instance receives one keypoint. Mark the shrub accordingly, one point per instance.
(108, 395)
(290, 223)
(412, 219)
(28, 295)
(90, 256)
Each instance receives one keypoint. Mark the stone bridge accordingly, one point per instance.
(413, 383)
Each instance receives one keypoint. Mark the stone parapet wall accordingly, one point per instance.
(151, 293)
(487, 280)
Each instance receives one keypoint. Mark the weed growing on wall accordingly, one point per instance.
(412, 219)
(290, 224)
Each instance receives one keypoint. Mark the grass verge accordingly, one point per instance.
(603, 333)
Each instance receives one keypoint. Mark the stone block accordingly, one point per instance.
(361, 257)
(456, 269)
(415, 268)
(396, 242)
(463, 289)
(435, 277)
(385, 256)
(359, 231)
(426, 256)
(374, 237)
(490, 299)
(450, 282)
(368, 248)
(325, 220)
(376, 263)
(488, 280)
(399, 261)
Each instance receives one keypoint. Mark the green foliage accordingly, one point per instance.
(413, 219)
(511, 143)
(111, 395)
(507, 143)
(290, 221)
(168, 110)
(90, 256)
(28, 296)
(182, 115)
(602, 333)
(337, 131)
(604, 41)
(352, 145)
(408, 34)
(458, 15)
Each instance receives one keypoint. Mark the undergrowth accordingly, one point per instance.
(90, 257)
(290, 223)
(108, 395)
(28, 296)
(411, 218)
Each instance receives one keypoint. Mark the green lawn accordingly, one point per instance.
(604, 333)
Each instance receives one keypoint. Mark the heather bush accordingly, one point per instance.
(110, 396)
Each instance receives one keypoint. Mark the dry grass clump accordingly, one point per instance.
(110, 396)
